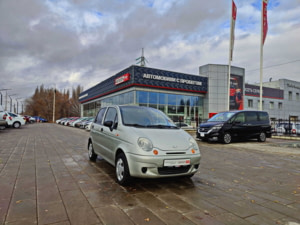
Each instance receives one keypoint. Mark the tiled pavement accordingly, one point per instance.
(46, 178)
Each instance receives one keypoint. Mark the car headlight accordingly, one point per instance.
(193, 144)
(217, 127)
(145, 144)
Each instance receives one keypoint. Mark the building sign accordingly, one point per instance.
(171, 79)
(122, 79)
(254, 90)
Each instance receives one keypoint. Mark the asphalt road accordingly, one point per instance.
(46, 178)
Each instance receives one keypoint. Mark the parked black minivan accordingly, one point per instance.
(238, 125)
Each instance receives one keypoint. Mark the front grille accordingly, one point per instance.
(204, 129)
(175, 153)
(173, 170)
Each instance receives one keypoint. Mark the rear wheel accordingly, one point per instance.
(122, 170)
(262, 137)
(92, 154)
(226, 138)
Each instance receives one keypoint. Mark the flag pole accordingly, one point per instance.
(261, 56)
(231, 43)
(264, 30)
(229, 71)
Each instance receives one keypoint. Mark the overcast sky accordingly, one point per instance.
(71, 42)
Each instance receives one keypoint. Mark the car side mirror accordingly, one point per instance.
(109, 124)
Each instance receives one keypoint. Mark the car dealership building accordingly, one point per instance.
(191, 98)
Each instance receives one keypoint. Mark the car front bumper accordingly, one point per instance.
(153, 166)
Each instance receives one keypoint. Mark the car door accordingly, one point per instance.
(239, 126)
(252, 123)
(96, 131)
(109, 134)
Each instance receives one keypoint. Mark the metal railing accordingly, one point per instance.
(285, 127)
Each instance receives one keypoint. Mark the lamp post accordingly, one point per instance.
(11, 101)
(18, 105)
(54, 93)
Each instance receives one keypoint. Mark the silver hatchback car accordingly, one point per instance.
(142, 142)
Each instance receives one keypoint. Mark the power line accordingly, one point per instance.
(297, 60)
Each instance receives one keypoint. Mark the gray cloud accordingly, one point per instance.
(73, 42)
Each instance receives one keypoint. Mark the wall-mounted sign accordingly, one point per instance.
(171, 79)
(122, 79)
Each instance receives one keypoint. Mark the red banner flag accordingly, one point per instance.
(233, 18)
(265, 19)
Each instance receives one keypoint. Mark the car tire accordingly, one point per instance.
(226, 139)
(92, 154)
(16, 125)
(262, 137)
(122, 170)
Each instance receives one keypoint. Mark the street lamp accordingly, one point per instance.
(11, 101)
(18, 105)
(54, 93)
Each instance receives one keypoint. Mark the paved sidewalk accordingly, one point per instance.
(46, 178)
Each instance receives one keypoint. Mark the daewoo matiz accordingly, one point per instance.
(142, 142)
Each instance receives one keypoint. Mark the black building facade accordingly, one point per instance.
(178, 95)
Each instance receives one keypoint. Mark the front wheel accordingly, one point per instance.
(122, 170)
(92, 154)
(17, 125)
(226, 138)
(262, 137)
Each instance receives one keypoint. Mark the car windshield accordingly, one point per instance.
(145, 117)
(221, 117)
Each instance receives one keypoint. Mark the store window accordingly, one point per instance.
(178, 107)
(91, 109)
(142, 96)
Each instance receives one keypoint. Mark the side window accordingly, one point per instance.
(263, 116)
(111, 115)
(240, 118)
(251, 117)
(100, 115)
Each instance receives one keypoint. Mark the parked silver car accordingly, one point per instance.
(142, 142)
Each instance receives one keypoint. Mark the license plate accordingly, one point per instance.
(202, 134)
(177, 162)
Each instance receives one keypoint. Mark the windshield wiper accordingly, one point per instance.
(134, 125)
(162, 126)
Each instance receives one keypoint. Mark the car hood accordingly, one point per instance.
(166, 139)
(210, 124)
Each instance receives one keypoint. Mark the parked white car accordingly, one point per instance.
(3, 122)
(14, 120)
(88, 126)
(142, 142)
